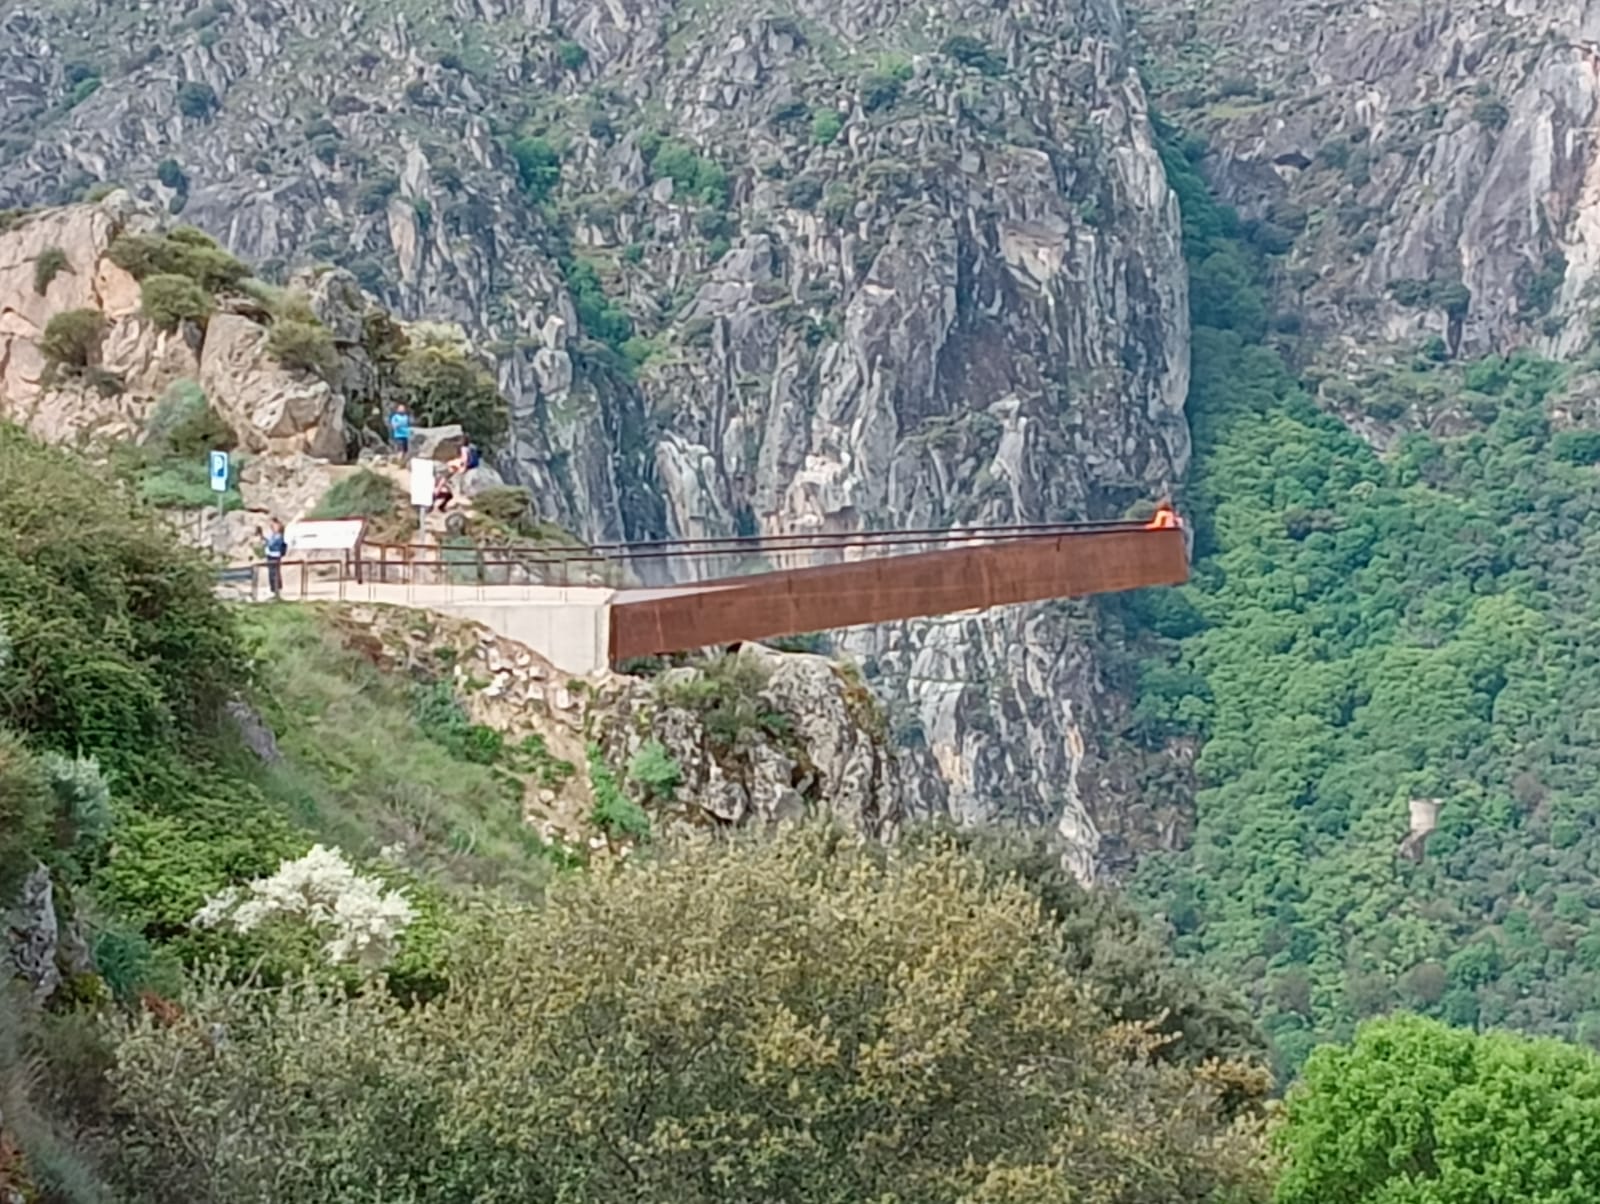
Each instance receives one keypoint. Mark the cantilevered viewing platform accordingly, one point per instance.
(588, 608)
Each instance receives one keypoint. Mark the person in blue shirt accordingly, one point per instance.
(400, 429)
(277, 547)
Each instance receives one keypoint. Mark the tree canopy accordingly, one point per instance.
(1362, 630)
(1414, 1112)
(799, 1019)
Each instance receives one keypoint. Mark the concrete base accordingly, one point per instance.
(569, 626)
(575, 637)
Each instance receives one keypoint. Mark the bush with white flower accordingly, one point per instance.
(362, 920)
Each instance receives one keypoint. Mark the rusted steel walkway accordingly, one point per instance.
(584, 608)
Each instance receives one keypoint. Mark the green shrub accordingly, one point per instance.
(639, 350)
(1577, 447)
(840, 204)
(1491, 113)
(374, 194)
(440, 716)
(120, 649)
(442, 384)
(573, 56)
(1542, 288)
(51, 261)
(183, 251)
(71, 339)
(825, 127)
(727, 693)
(614, 812)
(804, 988)
(803, 193)
(176, 484)
(362, 494)
(970, 52)
(538, 166)
(655, 769)
(791, 112)
(169, 301)
(82, 90)
(303, 346)
(196, 99)
(880, 89)
(692, 175)
(600, 317)
(26, 811)
(171, 175)
(509, 504)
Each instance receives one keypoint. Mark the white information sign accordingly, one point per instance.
(325, 535)
(217, 468)
(422, 482)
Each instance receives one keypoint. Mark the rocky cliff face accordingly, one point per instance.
(748, 740)
(1430, 169)
(135, 361)
(821, 266)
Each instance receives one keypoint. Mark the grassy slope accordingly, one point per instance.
(361, 769)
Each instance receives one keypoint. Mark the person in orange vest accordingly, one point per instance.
(1163, 519)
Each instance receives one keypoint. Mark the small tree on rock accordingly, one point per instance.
(168, 301)
(71, 339)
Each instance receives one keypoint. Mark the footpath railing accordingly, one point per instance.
(470, 570)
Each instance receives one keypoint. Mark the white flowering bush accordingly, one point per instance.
(361, 919)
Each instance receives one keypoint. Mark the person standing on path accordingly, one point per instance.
(277, 547)
(400, 429)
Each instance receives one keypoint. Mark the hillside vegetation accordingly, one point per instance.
(341, 895)
(1363, 630)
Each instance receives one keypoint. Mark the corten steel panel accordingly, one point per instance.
(881, 590)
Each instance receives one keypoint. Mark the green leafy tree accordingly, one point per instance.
(443, 384)
(1414, 1112)
(183, 251)
(169, 301)
(538, 166)
(802, 1019)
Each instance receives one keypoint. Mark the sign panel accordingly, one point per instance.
(325, 535)
(219, 471)
(422, 482)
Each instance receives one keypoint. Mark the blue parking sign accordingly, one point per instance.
(219, 471)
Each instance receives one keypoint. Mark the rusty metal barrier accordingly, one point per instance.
(917, 585)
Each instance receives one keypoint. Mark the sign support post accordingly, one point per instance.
(422, 492)
(217, 467)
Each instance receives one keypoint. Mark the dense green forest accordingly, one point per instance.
(1362, 630)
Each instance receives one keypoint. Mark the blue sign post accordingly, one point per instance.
(218, 466)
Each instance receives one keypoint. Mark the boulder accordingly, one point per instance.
(437, 442)
(34, 935)
(272, 408)
(478, 480)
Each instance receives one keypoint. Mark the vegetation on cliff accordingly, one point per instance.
(1363, 630)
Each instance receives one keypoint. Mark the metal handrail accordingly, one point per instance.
(473, 560)
(802, 542)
